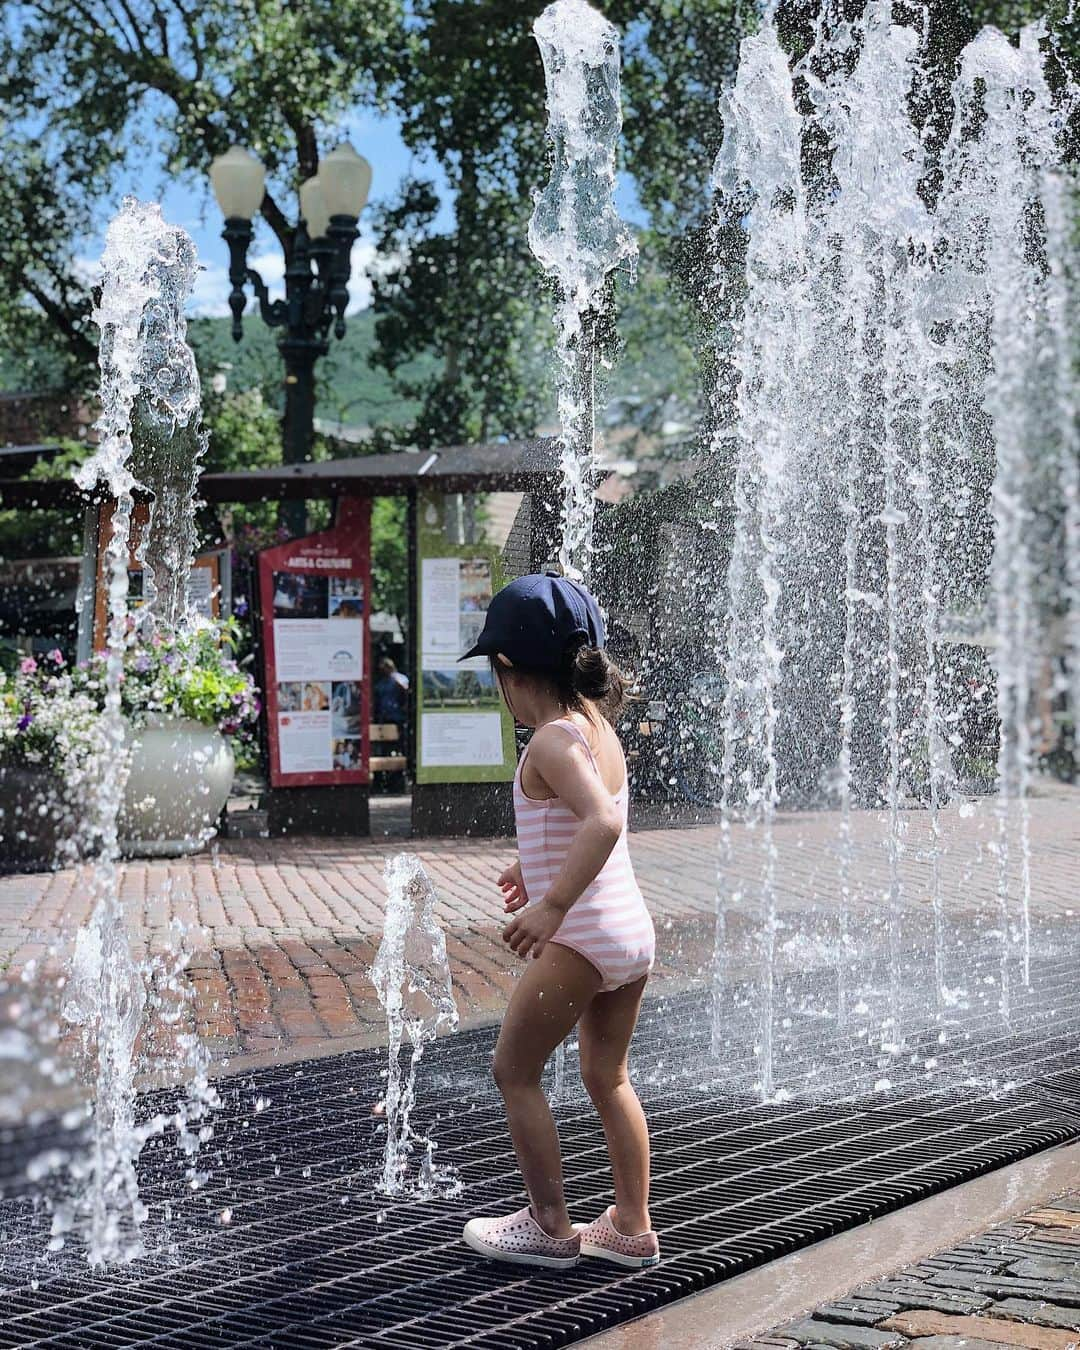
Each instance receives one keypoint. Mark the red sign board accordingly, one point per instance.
(315, 596)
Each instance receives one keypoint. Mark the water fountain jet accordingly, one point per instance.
(578, 238)
(412, 979)
(895, 332)
(148, 376)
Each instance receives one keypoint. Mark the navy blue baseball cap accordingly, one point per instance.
(535, 619)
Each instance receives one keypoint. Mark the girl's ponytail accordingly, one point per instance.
(589, 673)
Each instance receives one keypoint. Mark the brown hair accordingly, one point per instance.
(586, 674)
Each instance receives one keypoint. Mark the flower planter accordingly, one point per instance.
(36, 820)
(179, 781)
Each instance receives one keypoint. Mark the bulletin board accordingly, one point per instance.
(315, 608)
(465, 734)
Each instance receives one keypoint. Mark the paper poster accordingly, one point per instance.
(463, 739)
(460, 687)
(465, 733)
(440, 593)
(304, 742)
(200, 592)
(201, 589)
(455, 594)
(319, 649)
(209, 589)
(313, 600)
(319, 664)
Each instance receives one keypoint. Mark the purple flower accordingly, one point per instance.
(24, 721)
(142, 663)
(240, 606)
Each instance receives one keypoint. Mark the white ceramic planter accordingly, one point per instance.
(181, 773)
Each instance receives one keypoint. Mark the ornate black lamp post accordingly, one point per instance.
(317, 269)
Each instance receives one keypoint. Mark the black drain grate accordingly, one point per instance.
(286, 1246)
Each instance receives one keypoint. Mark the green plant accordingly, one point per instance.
(48, 718)
(193, 674)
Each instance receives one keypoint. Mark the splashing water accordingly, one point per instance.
(412, 978)
(906, 459)
(578, 238)
(758, 175)
(150, 422)
(1005, 184)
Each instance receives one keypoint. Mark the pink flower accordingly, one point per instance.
(28, 666)
(56, 656)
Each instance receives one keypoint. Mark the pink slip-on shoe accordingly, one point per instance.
(602, 1239)
(520, 1239)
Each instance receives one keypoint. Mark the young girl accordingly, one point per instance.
(578, 917)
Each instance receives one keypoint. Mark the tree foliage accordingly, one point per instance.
(470, 93)
(85, 85)
(470, 299)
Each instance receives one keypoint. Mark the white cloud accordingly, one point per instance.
(210, 294)
(271, 267)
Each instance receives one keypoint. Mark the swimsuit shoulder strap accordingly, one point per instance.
(579, 735)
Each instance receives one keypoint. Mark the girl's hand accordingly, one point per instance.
(530, 932)
(512, 883)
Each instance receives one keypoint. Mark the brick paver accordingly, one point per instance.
(281, 934)
(1016, 1285)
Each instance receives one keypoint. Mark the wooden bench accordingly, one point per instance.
(386, 734)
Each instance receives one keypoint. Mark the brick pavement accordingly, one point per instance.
(1016, 1285)
(281, 933)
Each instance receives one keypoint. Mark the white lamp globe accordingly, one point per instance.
(313, 207)
(238, 180)
(346, 179)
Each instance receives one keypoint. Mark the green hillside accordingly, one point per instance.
(653, 378)
(349, 389)
(655, 368)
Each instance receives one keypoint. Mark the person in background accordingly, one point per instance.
(391, 694)
(391, 699)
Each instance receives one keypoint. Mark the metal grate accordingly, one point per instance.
(311, 1258)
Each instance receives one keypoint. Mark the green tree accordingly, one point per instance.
(461, 313)
(470, 93)
(389, 563)
(86, 84)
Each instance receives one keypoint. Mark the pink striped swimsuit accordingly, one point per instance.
(608, 924)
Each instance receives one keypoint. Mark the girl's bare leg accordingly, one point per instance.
(606, 1029)
(549, 999)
